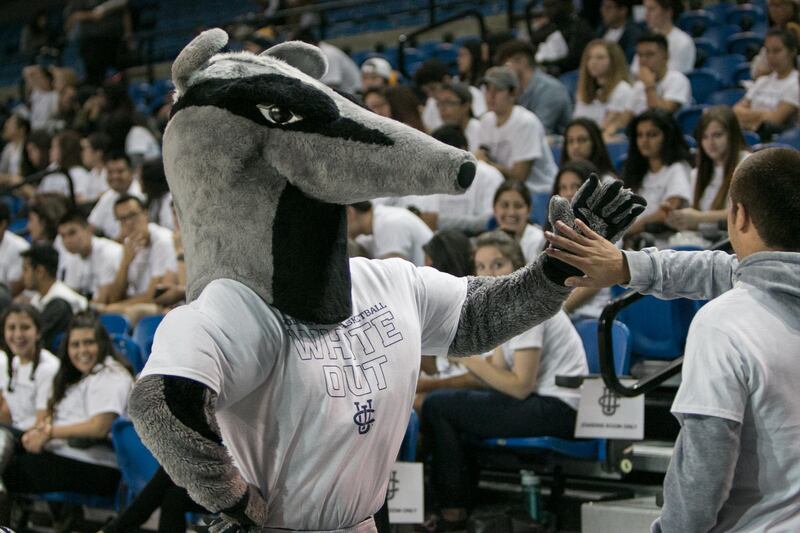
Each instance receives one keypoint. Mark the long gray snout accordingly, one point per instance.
(466, 174)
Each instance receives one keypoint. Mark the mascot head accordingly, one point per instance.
(261, 159)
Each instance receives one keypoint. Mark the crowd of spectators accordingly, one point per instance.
(102, 234)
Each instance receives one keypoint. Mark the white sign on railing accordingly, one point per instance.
(603, 414)
(405, 494)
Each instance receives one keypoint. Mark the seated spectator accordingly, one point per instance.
(657, 167)
(771, 103)
(119, 173)
(470, 211)
(94, 147)
(471, 65)
(512, 212)
(429, 78)
(386, 231)
(38, 39)
(561, 38)
(42, 98)
(618, 25)
(26, 377)
(658, 86)
(15, 133)
(454, 101)
(33, 167)
(660, 16)
(398, 103)
(512, 139)
(604, 94)
(44, 212)
(342, 74)
(52, 298)
(781, 14)
(68, 176)
(11, 245)
(148, 257)
(376, 73)
(156, 190)
(584, 142)
(69, 450)
(538, 92)
(89, 264)
(450, 251)
(521, 398)
(720, 149)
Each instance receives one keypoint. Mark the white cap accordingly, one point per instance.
(378, 66)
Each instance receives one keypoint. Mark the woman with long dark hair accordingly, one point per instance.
(583, 141)
(470, 62)
(657, 167)
(720, 148)
(69, 449)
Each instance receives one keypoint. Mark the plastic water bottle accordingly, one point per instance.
(530, 493)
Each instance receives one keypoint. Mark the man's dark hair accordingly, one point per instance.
(45, 255)
(452, 135)
(432, 70)
(127, 198)
(771, 203)
(787, 37)
(461, 90)
(515, 47)
(627, 4)
(655, 38)
(675, 5)
(73, 216)
(362, 207)
(116, 155)
(99, 141)
(5, 213)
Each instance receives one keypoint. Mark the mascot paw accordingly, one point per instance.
(605, 206)
(248, 514)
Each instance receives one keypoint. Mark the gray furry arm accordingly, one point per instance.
(497, 309)
(175, 418)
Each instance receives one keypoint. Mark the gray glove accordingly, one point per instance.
(606, 207)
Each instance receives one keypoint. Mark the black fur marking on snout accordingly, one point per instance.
(318, 111)
(311, 280)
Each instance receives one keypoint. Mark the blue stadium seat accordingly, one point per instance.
(704, 82)
(719, 34)
(144, 332)
(617, 150)
(742, 73)
(621, 336)
(447, 52)
(128, 348)
(790, 137)
(746, 43)
(720, 11)
(727, 97)
(696, 22)
(408, 450)
(541, 205)
(706, 49)
(137, 465)
(751, 138)
(745, 16)
(691, 142)
(570, 81)
(115, 323)
(556, 148)
(688, 117)
(725, 67)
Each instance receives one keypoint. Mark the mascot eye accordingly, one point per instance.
(278, 115)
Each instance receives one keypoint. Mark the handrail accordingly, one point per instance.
(404, 39)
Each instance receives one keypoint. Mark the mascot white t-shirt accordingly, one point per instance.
(286, 389)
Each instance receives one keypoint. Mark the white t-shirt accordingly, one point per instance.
(562, 354)
(614, 35)
(532, 242)
(396, 230)
(740, 364)
(669, 182)
(160, 211)
(58, 182)
(620, 100)
(10, 261)
(11, 158)
(432, 119)
(553, 48)
(682, 52)
(104, 390)
(714, 185)
(87, 275)
(477, 200)
(769, 91)
(27, 393)
(60, 290)
(473, 134)
(97, 183)
(312, 415)
(674, 86)
(140, 144)
(343, 73)
(155, 260)
(43, 107)
(102, 215)
(521, 138)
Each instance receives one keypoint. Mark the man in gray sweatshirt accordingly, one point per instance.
(736, 463)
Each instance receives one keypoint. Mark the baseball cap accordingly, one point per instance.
(378, 66)
(501, 77)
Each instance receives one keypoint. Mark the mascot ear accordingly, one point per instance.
(196, 54)
(304, 57)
